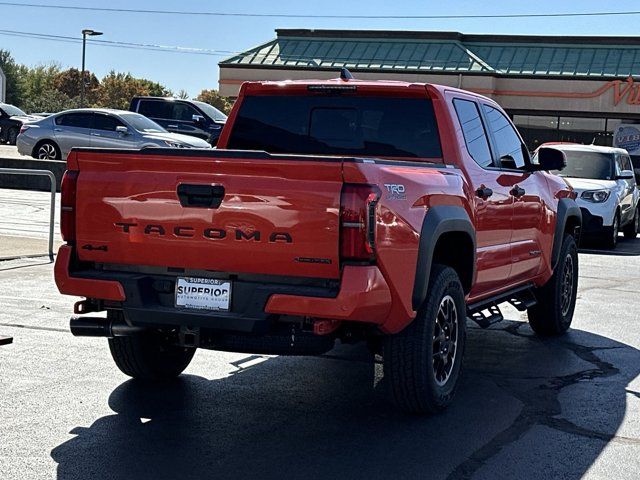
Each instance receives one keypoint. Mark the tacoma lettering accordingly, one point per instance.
(184, 231)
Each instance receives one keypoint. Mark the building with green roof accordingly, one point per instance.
(578, 89)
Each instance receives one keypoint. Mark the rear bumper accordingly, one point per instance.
(256, 303)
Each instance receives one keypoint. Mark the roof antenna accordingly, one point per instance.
(345, 74)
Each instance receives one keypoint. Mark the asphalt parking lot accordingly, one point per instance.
(10, 151)
(527, 408)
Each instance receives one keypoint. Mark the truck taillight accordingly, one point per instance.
(68, 206)
(358, 222)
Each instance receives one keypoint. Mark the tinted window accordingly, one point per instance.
(507, 140)
(474, 135)
(594, 165)
(80, 120)
(183, 112)
(155, 108)
(626, 163)
(211, 111)
(106, 122)
(11, 111)
(337, 125)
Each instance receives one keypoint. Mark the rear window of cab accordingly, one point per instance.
(337, 125)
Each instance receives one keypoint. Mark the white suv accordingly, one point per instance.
(605, 183)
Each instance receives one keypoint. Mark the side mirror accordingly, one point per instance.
(122, 130)
(197, 118)
(507, 161)
(625, 175)
(550, 159)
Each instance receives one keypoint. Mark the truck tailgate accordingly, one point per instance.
(226, 211)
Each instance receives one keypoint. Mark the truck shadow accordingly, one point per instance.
(551, 404)
(625, 247)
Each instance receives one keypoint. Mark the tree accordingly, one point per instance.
(37, 80)
(183, 95)
(212, 97)
(50, 101)
(69, 83)
(10, 70)
(117, 89)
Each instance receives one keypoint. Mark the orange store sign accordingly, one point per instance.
(627, 91)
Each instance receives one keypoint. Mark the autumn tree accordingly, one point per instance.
(69, 83)
(117, 89)
(213, 97)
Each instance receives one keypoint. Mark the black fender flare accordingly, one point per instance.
(567, 208)
(439, 220)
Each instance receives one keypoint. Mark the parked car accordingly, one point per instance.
(11, 120)
(53, 137)
(188, 117)
(389, 213)
(604, 180)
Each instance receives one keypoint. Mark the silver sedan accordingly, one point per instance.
(52, 138)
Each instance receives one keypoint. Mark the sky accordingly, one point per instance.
(193, 73)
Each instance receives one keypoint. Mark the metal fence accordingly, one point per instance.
(52, 181)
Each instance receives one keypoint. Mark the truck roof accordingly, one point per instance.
(255, 86)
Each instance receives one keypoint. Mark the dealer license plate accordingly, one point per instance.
(203, 294)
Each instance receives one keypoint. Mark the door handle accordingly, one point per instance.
(484, 192)
(517, 191)
(200, 196)
(57, 130)
(95, 134)
(172, 126)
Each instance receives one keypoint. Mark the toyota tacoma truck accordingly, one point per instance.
(338, 210)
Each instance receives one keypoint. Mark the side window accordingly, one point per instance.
(626, 163)
(106, 122)
(474, 135)
(155, 109)
(508, 142)
(184, 112)
(78, 120)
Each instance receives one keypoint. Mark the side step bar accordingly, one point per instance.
(487, 312)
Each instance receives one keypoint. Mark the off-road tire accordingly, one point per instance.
(609, 237)
(631, 229)
(553, 313)
(148, 356)
(12, 136)
(408, 356)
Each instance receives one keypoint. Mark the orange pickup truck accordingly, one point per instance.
(347, 210)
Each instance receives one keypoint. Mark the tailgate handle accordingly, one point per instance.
(200, 196)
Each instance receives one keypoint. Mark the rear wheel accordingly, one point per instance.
(47, 151)
(631, 230)
(553, 313)
(149, 356)
(12, 136)
(423, 362)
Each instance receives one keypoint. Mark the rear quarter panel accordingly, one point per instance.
(399, 221)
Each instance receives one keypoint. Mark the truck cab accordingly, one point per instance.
(187, 117)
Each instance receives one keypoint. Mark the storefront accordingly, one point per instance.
(570, 89)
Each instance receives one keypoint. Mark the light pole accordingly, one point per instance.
(85, 33)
